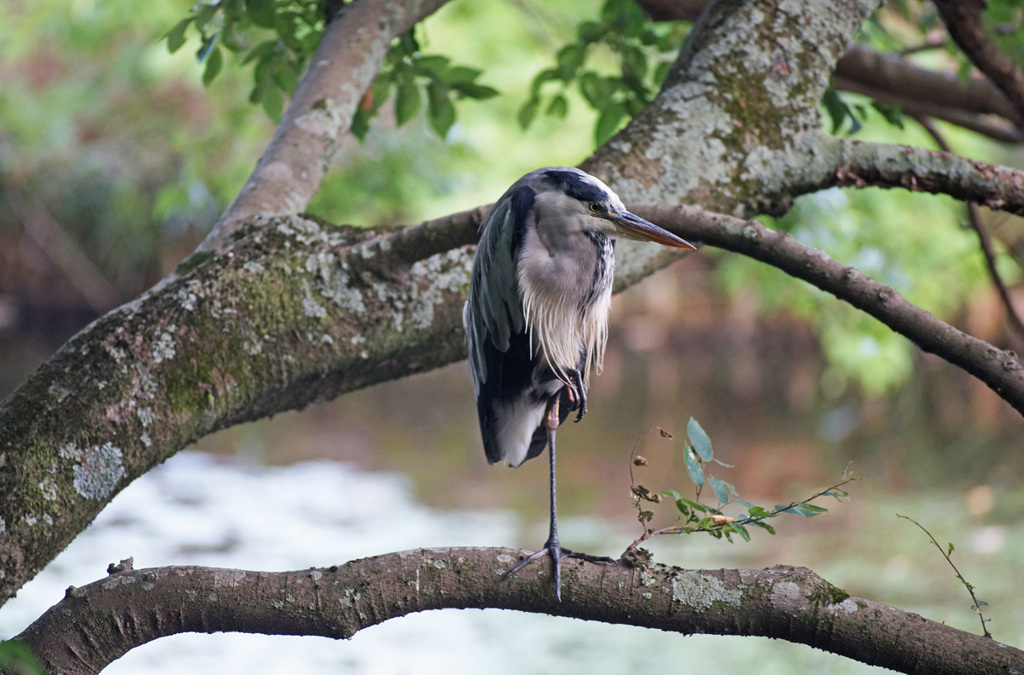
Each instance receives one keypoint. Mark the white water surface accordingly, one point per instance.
(199, 509)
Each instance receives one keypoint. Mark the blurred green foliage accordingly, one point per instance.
(135, 151)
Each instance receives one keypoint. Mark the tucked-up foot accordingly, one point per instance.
(577, 393)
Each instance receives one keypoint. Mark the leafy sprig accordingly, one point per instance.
(696, 516)
(947, 553)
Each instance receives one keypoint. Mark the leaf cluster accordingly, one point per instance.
(411, 77)
(695, 516)
(641, 53)
(278, 37)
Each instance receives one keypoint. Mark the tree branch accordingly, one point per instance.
(984, 241)
(825, 161)
(963, 21)
(320, 113)
(1000, 370)
(132, 607)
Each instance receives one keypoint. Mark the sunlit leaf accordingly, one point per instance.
(407, 101)
(700, 440)
(693, 467)
(559, 107)
(528, 112)
(720, 489)
(214, 61)
(176, 36)
(608, 122)
(440, 110)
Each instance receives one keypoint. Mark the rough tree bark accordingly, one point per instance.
(113, 615)
(278, 311)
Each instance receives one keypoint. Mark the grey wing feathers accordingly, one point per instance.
(493, 309)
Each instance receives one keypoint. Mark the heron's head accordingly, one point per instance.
(575, 198)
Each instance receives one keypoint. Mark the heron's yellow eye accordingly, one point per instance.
(595, 207)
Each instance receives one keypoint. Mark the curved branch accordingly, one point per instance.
(1000, 370)
(963, 21)
(132, 607)
(823, 161)
(320, 113)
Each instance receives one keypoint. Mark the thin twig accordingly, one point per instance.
(984, 239)
(947, 555)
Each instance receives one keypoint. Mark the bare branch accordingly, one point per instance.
(896, 78)
(319, 114)
(851, 163)
(1000, 370)
(963, 21)
(129, 608)
(984, 241)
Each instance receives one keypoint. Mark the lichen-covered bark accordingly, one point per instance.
(290, 313)
(132, 607)
(735, 110)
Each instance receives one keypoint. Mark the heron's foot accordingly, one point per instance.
(557, 553)
(577, 393)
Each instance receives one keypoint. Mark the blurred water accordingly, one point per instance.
(204, 510)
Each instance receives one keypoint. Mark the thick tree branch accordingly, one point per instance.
(821, 161)
(897, 78)
(975, 104)
(1000, 370)
(964, 23)
(132, 607)
(320, 113)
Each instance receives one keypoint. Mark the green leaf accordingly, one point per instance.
(214, 61)
(634, 62)
(693, 467)
(204, 50)
(440, 110)
(802, 509)
(590, 31)
(546, 75)
(837, 109)
(740, 530)
(261, 12)
(559, 107)
(476, 91)
(261, 51)
(596, 89)
(176, 36)
(361, 123)
(460, 75)
(694, 505)
(570, 58)
(528, 112)
(701, 441)
(272, 101)
(758, 512)
(432, 66)
(407, 101)
(763, 525)
(608, 122)
(204, 14)
(720, 489)
(949, 551)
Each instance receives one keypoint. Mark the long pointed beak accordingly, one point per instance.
(634, 227)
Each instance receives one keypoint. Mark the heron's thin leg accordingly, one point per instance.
(551, 547)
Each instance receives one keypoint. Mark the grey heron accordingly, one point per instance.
(537, 315)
